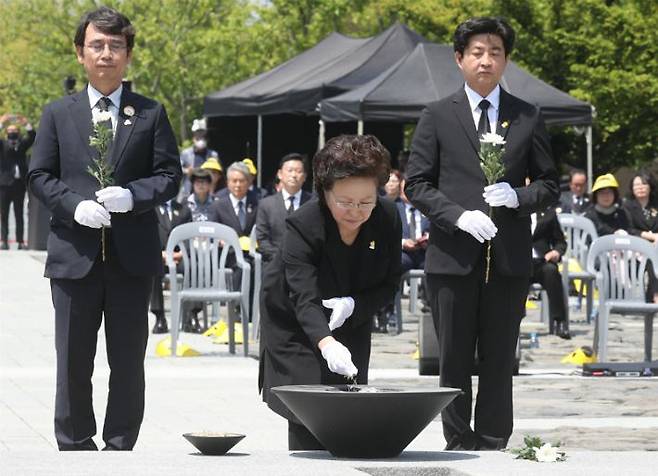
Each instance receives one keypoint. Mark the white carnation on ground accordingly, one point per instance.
(546, 454)
(492, 138)
(100, 116)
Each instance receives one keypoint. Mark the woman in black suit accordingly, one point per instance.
(642, 209)
(339, 264)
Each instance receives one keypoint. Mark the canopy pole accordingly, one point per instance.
(359, 128)
(321, 134)
(259, 151)
(588, 139)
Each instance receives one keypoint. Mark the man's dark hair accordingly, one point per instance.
(574, 172)
(293, 156)
(108, 21)
(478, 25)
(350, 156)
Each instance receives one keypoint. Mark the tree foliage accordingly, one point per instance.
(601, 51)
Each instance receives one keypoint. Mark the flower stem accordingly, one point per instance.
(103, 243)
(488, 257)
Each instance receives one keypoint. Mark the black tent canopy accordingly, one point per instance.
(430, 73)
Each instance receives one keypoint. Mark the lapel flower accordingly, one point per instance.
(129, 111)
(372, 245)
(127, 122)
(505, 125)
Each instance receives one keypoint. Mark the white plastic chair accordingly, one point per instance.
(205, 274)
(579, 232)
(619, 264)
(258, 266)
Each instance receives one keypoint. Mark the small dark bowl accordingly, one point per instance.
(214, 444)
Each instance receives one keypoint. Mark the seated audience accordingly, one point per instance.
(392, 187)
(213, 166)
(197, 205)
(575, 200)
(607, 215)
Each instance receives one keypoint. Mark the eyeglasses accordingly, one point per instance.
(365, 206)
(114, 46)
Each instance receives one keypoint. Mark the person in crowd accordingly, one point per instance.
(103, 247)
(193, 157)
(339, 264)
(476, 301)
(606, 213)
(393, 186)
(237, 209)
(641, 207)
(197, 206)
(576, 200)
(257, 192)
(548, 247)
(273, 210)
(216, 170)
(13, 170)
(169, 216)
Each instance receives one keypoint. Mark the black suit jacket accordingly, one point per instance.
(145, 160)
(548, 234)
(271, 223)
(638, 222)
(567, 204)
(222, 212)
(314, 265)
(166, 224)
(10, 157)
(444, 179)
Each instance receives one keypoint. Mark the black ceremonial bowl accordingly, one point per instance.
(214, 444)
(362, 421)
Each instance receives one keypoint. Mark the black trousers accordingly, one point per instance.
(469, 313)
(547, 274)
(80, 304)
(12, 194)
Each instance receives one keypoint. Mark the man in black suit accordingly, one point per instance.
(13, 170)
(273, 210)
(446, 183)
(548, 247)
(237, 209)
(576, 200)
(88, 283)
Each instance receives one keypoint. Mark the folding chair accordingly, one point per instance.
(205, 274)
(579, 232)
(619, 264)
(258, 266)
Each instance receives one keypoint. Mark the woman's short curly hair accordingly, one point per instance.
(350, 156)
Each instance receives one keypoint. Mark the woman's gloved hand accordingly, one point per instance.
(339, 358)
(342, 308)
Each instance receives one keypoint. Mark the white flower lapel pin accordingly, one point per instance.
(130, 112)
(372, 245)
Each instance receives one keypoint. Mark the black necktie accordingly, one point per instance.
(242, 216)
(483, 124)
(412, 223)
(291, 207)
(104, 105)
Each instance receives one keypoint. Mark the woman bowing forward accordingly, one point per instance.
(339, 264)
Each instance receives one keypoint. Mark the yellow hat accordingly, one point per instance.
(582, 355)
(250, 165)
(605, 181)
(212, 164)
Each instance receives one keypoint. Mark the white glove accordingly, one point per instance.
(115, 199)
(91, 214)
(339, 359)
(342, 309)
(500, 194)
(477, 224)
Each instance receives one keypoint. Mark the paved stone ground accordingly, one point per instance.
(616, 417)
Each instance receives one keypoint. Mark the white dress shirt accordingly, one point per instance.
(115, 98)
(296, 202)
(235, 201)
(474, 102)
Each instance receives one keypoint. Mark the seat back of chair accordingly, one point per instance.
(619, 263)
(200, 244)
(579, 233)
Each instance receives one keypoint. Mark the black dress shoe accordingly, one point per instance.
(561, 330)
(4, 245)
(160, 326)
(21, 246)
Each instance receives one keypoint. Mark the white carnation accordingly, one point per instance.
(100, 116)
(492, 138)
(546, 454)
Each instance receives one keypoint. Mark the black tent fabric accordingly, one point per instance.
(335, 65)
(429, 73)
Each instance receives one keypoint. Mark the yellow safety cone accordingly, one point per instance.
(223, 337)
(163, 349)
(216, 329)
